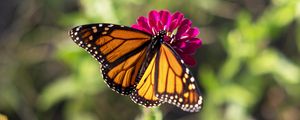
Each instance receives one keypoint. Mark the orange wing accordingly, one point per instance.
(121, 51)
(167, 79)
(175, 83)
(144, 94)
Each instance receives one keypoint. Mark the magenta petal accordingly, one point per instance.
(160, 26)
(186, 22)
(167, 39)
(181, 30)
(195, 41)
(184, 37)
(193, 32)
(190, 49)
(192, 46)
(178, 16)
(162, 12)
(142, 22)
(183, 27)
(188, 46)
(173, 25)
(182, 45)
(166, 18)
(136, 26)
(188, 59)
(153, 19)
(176, 20)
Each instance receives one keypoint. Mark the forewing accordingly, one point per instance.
(121, 51)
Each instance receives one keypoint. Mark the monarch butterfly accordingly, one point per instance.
(140, 65)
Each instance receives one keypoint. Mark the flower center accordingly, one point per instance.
(169, 37)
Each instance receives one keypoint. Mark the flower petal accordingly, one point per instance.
(177, 15)
(136, 26)
(181, 30)
(181, 45)
(174, 24)
(186, 22)
(165, 19)
(153, 20)
(196, 41)
(188, 46)
(160, 26)
(176, 20)
(188, 59)
(190, 49)
(193, 32)
(167, 39)
(143, 22)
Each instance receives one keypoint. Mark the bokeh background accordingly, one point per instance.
(248, 66)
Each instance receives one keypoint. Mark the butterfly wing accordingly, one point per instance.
(175, 84)
(121, 50)
(144, 94)
(167, 79)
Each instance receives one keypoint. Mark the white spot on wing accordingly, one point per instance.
(110, 25)
(187, 70)
(192, 79)
(78, 28)
(181, 61)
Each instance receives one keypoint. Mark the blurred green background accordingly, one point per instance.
(248, 66)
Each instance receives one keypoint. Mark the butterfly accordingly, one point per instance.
(140, 65)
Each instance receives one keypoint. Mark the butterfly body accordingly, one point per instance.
(140, 65)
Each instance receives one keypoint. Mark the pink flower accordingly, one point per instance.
(180, 35)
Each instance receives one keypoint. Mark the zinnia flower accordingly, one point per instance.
(180, 35)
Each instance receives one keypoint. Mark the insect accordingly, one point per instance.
(140, 65)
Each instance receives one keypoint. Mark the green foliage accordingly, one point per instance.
(83, 82)
(250, 59)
